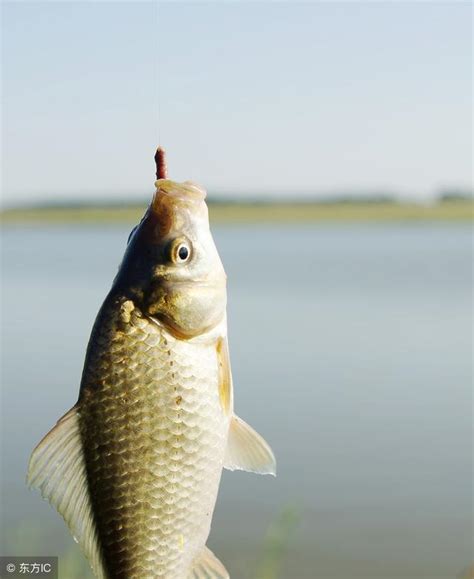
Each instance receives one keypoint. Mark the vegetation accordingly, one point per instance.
(221, 212)
(276, 544)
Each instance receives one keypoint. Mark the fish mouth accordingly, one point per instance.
(176, 207)
(188, 191)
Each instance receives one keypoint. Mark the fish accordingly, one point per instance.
(134, 467)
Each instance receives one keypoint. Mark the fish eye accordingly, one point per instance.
(180, 250)
(183, 252)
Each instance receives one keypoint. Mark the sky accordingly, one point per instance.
(278, 98)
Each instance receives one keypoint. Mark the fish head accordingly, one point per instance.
(171, 266)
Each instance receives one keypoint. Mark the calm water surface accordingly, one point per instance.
(351, 353)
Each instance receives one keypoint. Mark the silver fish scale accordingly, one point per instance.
(154, 435)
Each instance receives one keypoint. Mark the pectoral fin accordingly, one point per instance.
(247, 450)
(57, 469)
(208, 566)
(224, 375)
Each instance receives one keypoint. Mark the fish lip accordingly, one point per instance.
(188, 192)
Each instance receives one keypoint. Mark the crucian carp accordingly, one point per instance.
(134, 467)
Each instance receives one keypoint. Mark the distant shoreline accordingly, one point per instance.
(255, 212)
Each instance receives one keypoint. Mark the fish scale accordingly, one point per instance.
(154, 433)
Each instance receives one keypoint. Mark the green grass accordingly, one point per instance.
(276, 544)
(250, 212)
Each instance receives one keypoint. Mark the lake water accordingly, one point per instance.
(351, 353)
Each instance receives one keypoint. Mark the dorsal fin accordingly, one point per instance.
(57, 469)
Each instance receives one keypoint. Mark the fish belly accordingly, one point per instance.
(154, 436)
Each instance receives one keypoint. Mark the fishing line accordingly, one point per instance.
(160, 159)
(158, 73)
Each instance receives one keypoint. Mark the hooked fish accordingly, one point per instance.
(134, 467)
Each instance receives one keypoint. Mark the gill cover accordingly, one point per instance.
(171, 268)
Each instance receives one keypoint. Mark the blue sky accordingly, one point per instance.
(290, 98)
